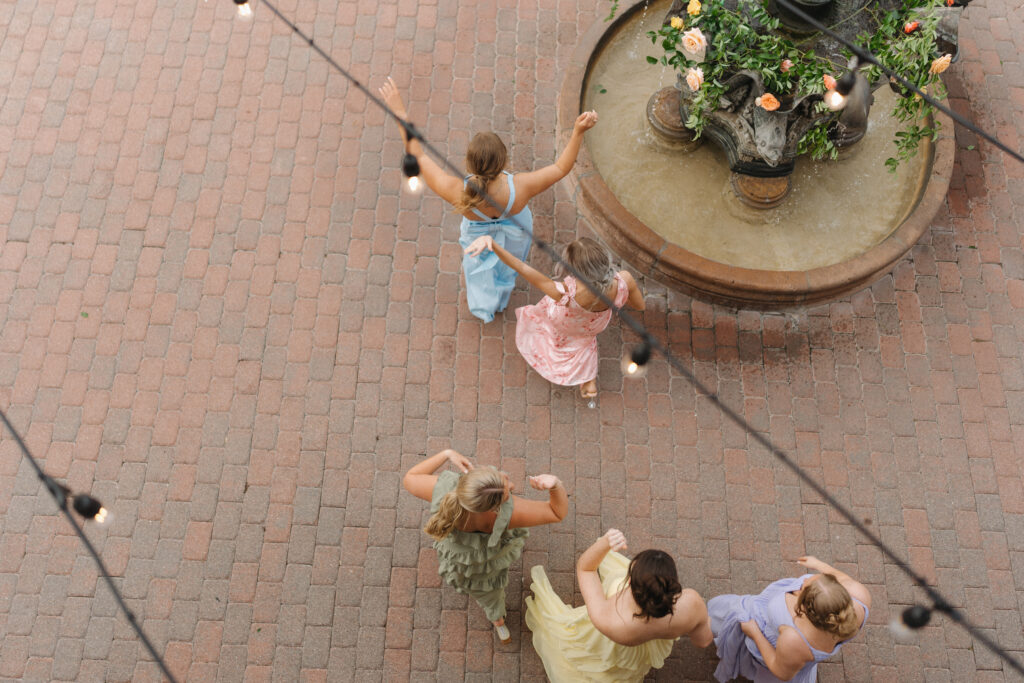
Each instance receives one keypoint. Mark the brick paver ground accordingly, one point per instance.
(220, 317)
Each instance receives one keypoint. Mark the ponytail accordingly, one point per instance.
(485, 159)
(448, 514)
(479, 490)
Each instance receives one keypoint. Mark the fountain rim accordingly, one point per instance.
(652, 255)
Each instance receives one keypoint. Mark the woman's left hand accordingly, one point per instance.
(750, 628)
(544, 482)
(480, 245)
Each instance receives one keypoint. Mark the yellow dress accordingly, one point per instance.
(572, 649)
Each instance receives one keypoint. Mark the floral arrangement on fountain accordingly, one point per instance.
(711, 43)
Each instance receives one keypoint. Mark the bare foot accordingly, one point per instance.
(589, 389)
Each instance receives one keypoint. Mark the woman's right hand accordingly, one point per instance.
(616, 539)
(460, 461)
(389, 93)
(480, 245)
(585, 122)
(811, 562)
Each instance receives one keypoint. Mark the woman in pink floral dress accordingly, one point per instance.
(558, 335)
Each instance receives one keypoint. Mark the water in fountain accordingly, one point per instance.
(836, 209)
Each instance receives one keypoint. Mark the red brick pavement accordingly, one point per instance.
(218, 314)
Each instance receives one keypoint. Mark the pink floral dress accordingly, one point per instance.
(559, 338)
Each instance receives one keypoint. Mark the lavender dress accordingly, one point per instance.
(739, 654)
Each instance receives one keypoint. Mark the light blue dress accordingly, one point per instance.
(739, 654)
(489, 282)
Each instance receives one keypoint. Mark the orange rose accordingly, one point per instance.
(830, 83)
(767, 101)
(911, 26)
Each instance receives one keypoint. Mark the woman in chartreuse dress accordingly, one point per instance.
(634, 611)
(479, 527)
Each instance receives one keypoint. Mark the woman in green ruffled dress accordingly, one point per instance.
(479, 527)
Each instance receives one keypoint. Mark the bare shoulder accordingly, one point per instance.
(792, 644)
(690, 609)
(628, 277)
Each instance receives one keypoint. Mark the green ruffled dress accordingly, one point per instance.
(475, 563)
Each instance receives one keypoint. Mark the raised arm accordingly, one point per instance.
(852, 585)
(526, 513)
(787, 657)
(535, 182)
(444, 184)
(420, 479)
(532, 275)
(599, 607)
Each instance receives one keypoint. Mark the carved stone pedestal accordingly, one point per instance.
(760, 193)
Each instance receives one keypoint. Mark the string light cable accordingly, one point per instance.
(89, 508)
(641, 353)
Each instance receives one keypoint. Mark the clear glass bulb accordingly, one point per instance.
(245, 11)
(835, 100)
(414, 185)
(103, 517)
(630, 368)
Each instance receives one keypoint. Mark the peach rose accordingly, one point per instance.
(694, 78)
(694, 40)
(940, 64)
(830, 83)
(676, 23)
(786, 65)
(767, 102)
(693, 8)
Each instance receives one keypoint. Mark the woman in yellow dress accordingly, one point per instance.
(634, 612)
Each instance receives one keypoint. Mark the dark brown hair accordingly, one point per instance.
(654, 583)
(485, 159)
(828, 606)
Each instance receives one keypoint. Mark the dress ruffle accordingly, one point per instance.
(572, 649)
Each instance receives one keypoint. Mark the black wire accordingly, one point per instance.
(938, 601)
(866, 56)
(59, 494)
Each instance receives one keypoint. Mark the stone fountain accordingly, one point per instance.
(746, 221)
(762, 146)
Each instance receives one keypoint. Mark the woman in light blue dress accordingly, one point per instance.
(489, 282)
(783, 632)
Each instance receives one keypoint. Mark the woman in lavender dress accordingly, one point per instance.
(782, 633)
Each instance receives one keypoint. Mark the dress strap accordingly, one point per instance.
(511, 195)
(478, 212)
(501, 522)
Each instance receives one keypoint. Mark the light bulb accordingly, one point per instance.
(834, 100)
(413, 185)
(634, 361)
(103, 517)
(244, 9)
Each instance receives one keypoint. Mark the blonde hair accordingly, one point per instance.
(828, 606)
(479, 490)
(485, 159)
(590, 260)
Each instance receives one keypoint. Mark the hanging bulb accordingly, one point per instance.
(834, 100)
(411, 171)
(244, 9)
(634, 362)
(912, 619)
(91, 509)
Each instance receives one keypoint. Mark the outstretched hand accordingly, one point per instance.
(544, 482)
(460, 461)
(616, 539)
(585, 121)
(810, 561)
(480, 245)
(389, 93)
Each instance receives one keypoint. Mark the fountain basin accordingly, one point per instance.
(683, 264)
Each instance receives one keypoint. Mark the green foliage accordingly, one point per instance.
(734, 44)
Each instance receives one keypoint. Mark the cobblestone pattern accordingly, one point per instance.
(218, 315)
